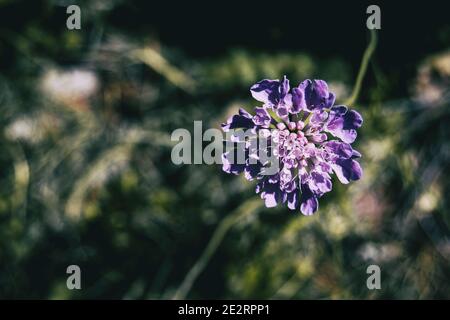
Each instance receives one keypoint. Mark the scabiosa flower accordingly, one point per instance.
(308, 135)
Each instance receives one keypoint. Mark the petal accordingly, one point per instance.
(356, 154)
(229, 167)
(282, 112)
(293, 199)
(272, 92)
(262, 117)
(338, 111)
(270, 200)
(330, 100)
(284, 87)
(241, 120)
(319, 183)
(270, 191)
(309, 202)
(321, 87)
(341, 149)
(318, 117)
(271, 194)
(298, 100)
(244, 113)
(343, 123)
(266, 91)
(353, 120)
(290, 186)
(347, 170)
(317, 95)
(259, 186)
(252, 171)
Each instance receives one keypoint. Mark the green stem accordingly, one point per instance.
(308, 119)
(247, 208)
(363, 68)
(275, 116)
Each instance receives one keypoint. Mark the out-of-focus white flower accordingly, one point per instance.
(429, 200)
(380, 252)
(378, 149)
(21, 129)
(33, 128)
(339, 88)
(72, 88)
(433, 80)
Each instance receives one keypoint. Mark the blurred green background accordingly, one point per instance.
(86, 176)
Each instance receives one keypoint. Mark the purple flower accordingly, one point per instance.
(308, 136)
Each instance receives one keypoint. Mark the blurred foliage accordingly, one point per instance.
(86, 176)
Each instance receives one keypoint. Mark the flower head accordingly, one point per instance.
(309, 137)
